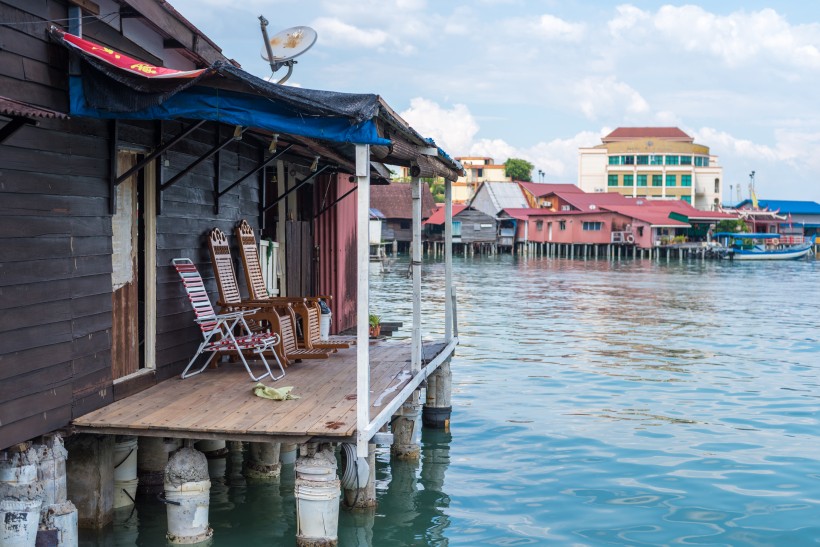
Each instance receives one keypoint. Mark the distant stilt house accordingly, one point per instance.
(473, 231)
(796, 219)
(570, 216)
(108, 172)
(393, 201)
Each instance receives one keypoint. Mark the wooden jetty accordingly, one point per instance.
(220, 404)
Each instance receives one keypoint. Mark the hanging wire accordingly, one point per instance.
(101, 17)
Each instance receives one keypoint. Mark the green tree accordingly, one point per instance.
(437, 188)
(731, 225)
(518, 169)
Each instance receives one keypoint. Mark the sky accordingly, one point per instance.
(539, 79)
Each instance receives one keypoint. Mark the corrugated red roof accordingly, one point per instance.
(437, 218)
(11, 107)
(539, 189)
(634, 133)
(687, 209)
(584, 200)
(396, 200)
(655, 216)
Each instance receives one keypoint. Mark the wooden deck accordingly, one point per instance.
(220, 404)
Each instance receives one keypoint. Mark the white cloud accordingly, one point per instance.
(738, 39)
(554, 28)
(338, 33)
(628, 19)
(597, 96)
(453, 129)
(722, 143)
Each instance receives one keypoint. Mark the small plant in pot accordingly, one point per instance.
(375, 325)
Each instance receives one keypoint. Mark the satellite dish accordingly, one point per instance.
(285, 45)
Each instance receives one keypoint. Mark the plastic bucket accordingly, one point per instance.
(62, 517)
(125, 492)
(324, 325)
(18, 522)
(125, 459)
(13, 473)
(187, 509)
(317, 509)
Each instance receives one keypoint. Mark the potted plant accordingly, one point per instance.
(375, 325)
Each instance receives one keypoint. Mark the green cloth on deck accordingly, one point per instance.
(277, 394)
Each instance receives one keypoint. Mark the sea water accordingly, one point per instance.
(595, 402)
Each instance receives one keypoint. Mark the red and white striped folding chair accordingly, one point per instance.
(218, 329)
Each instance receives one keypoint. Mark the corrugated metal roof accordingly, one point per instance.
(11, 107)
(632, 133)
(505, 195)
(396, 200)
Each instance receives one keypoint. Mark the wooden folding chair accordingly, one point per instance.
(219, 331)
(307, 307)
(277, 315)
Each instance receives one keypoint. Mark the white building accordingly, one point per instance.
(652, 163)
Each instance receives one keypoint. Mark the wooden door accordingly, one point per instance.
(125, 339)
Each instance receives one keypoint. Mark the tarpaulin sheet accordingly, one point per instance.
(113, 85)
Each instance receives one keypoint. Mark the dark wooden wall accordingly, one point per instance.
(470, 219)
(55, 234)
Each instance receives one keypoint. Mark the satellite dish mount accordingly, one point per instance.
(285, 45)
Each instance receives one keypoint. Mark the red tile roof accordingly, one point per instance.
(395, 200)
(635, 133)
(539, 189)
(437, 218)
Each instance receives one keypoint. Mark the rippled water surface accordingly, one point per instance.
(594, 403)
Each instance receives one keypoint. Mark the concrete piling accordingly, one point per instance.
(317, 493)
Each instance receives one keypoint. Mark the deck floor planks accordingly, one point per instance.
(221, 401)
(235, 390)
(344, 411)
(328, 421)
(307, 378)
(129, 412)
(320, 394)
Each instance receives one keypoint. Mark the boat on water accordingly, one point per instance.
(759, 246)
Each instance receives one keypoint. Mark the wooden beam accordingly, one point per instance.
(362, 299)
(159, 17)
(87, 5)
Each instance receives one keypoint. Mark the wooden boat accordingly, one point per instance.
(751, 246)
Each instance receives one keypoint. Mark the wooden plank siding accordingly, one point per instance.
(476, 226)
(55, 233)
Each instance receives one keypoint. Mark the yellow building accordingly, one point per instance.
(477, 169)
(652, 163)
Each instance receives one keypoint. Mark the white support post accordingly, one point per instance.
(415, 360)
(448, 260)
(362, 298)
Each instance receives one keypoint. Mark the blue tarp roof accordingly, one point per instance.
(227, 94)
(786, 206)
